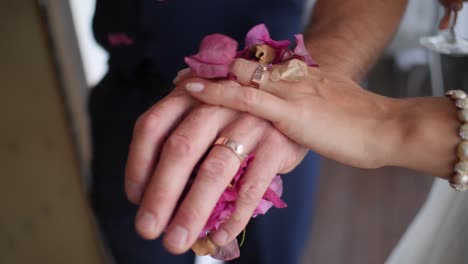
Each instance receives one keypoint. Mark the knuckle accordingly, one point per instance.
(147, 123)
(187, 215)
(239, 65)
(153, 198)
(237, 221)
(251, 192)
(179, 145)
(249, 98)
(235, 224)
(212, 169)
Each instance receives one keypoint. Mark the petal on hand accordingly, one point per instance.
(216, 52)
(262, 207)
(302, 52)
(217, 49)
(207, 70)
(257, 35)
(274, 192)
(228, 252)
(271, 197)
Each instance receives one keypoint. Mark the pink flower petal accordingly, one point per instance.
(228, 252)
(301, 52)
(207, 70)
(257, 35)
(217, 49)
(271, 196)
(262, 207)
(216, 53)
(276, 185)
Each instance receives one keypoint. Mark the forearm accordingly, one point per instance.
(347, 37)
(422, 135)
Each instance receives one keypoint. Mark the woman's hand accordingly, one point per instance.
(327, 113)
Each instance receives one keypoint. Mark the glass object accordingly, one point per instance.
(447, 41)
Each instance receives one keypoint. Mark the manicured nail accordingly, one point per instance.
(194, 87)
(220, 237)
(146, 222)
(181, 74)
(177, 237)
(133, 191)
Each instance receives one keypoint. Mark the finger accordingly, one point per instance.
(244, 71)
(182, 75)
(215, 174)
(149, 134)
(254, 183)
(180, 153)
(254, 101)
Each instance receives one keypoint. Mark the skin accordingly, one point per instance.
(333, 116)
(173, 135)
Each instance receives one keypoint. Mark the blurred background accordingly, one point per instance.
(50, 60)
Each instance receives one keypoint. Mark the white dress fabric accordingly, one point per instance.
(439, 233)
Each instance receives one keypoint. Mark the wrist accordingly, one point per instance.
(422, 135)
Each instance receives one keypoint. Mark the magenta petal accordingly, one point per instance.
(207, 70)
(302, 52)
(271, 197)
(274, 198)
(228, 252)
(216, 53)
(274, 192)
(262, 207)
(257, 35)
(224, 208)
(276, 185)
(217, 49)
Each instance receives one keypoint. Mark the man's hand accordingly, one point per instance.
(168, 142)
(344, 37)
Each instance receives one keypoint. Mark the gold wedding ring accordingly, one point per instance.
(258, 75)
(237, 148)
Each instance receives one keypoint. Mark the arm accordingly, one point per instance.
(426, 130)
(173, 135)
(340, 120)
(347, 37)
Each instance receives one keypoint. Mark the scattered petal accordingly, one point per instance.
(257, 35)
(216, 53)
(228, 252)
(207, 70)
(301, 52)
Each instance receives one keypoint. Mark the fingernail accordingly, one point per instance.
(133, 191)
(180, 74)
(194, 87)
(146, 222)
(177, 237)
(220, 237)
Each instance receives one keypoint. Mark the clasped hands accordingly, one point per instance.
(325, 112)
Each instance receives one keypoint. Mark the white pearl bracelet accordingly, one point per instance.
(459, 179)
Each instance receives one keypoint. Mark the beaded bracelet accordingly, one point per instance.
(459, 179)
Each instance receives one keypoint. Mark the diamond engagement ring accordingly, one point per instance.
(237, 148)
